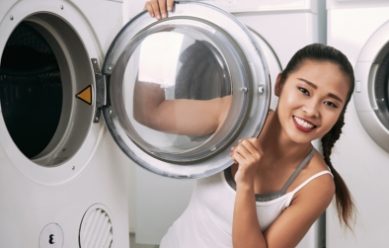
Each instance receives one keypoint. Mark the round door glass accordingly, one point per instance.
(182, 90)
(173, 90)
(380, 84)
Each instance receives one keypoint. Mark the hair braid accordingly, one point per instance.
(344, 203)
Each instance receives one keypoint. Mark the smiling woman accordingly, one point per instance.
(278, 176)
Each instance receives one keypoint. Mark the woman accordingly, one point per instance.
(279, 184)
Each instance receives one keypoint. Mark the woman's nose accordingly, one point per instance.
(311, 108)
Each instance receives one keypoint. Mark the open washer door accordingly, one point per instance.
(199, 53)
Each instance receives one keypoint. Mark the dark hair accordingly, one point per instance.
(320, 52)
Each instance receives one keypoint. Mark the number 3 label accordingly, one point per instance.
(51, 236)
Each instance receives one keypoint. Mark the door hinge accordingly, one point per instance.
(101, 89)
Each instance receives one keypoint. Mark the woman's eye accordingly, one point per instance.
(303, 90)
(330, 104)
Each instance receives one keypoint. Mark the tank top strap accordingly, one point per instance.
(297, 171)
(310, 179)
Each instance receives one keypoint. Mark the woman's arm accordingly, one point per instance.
(291, 226)
(246, 230)
(307, 206)
(179, 116)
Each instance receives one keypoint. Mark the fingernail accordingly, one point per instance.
(164, 15)
(169, 8)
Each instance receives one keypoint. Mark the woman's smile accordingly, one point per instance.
(303, 125)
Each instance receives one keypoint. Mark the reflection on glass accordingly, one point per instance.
(159, 57)
(180, 92)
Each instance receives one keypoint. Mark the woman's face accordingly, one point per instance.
(311, 100)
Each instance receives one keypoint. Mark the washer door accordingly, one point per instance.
(372, 87)
(199, 54)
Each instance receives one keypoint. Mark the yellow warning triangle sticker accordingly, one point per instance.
(85, 95)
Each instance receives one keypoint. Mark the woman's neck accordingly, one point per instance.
(275, 141)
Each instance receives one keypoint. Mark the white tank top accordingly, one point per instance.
(207, 221)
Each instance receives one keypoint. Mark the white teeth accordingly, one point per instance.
(303, 123)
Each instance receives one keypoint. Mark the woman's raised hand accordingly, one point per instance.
(159, 8)
(247, 155)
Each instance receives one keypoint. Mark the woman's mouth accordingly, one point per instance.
(303, 125)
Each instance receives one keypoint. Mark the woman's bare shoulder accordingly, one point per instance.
(321, 185)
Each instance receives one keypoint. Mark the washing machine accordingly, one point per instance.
(361, 30)
(61, 182)
(278, 29)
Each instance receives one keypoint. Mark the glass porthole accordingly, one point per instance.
(201, 55)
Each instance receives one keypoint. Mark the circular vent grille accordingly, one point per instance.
(96, 228)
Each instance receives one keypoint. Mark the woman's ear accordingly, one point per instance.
(278, 86)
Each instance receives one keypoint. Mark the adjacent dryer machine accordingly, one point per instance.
(59, 184)
(361, 30)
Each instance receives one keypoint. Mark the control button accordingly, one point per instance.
(51, 236)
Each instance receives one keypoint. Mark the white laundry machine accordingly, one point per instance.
(279, 28)
(361, 30)
(60, 182)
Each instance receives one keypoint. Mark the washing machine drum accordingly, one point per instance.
(183, 90)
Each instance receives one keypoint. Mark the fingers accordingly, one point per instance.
(155, 9)
(159, 8)
(247, 154)
(247, 151)
(170, 5)
(244, 150)
(162, 8)
(149, 8)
